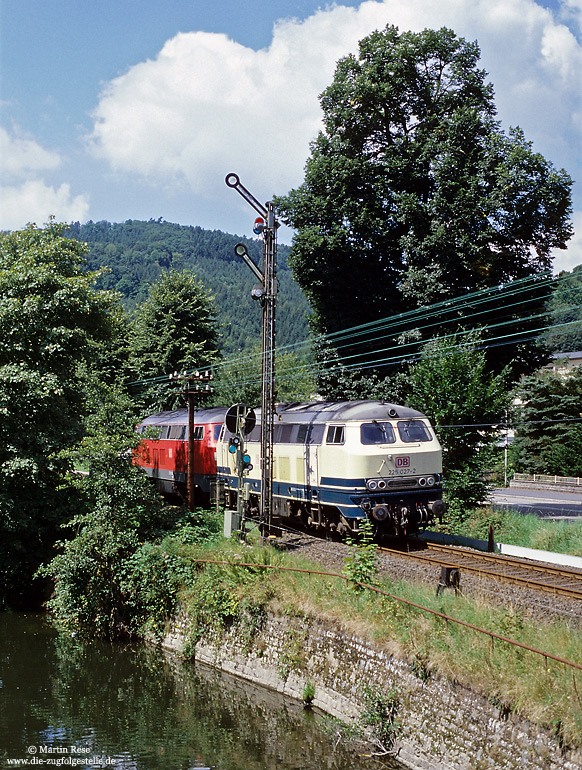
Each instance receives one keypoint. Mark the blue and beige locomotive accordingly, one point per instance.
(338, 463)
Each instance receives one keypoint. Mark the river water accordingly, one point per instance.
(69, 703)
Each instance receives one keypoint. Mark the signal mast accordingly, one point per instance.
(266, 293)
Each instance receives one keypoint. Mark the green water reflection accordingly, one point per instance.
(134, 708)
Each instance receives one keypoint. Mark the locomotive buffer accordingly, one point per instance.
(266, 292)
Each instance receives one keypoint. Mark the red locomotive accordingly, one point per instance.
(163, 452)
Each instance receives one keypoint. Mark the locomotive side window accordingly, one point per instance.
(177, 432)
(217, 432)
(412, 431)
(198, 432)
(377, 433)
(335, 434)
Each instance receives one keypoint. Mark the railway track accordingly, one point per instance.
(557, 580)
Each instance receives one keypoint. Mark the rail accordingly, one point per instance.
(492, 635)
(460, 559)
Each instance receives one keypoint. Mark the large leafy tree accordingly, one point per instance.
(413, 194)
(175, 329)
(51, 321)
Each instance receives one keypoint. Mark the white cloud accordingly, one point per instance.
(207, 105)
(24, 196)
(21, 155)
(35, 201)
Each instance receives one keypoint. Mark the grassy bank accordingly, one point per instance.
(516, 528)
(514, 679)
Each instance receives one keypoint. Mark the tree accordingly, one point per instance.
(51, 320)
(104, 573)
(175, 329)
(453, 385)
(565, 306)
(413, 193)
(548, 424)
(239, 380)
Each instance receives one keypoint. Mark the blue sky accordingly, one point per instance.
(135, 109)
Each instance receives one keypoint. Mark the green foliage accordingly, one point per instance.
(413, 193)
(308, 693)
(466, 401)
(361, 565)
(117, 510)
(52, 320)
(548, 430)
(238, 381)
(565, 307)
(137, 253)
(379, 717)
(174, 329)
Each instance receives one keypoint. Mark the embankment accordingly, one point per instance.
(435, 723)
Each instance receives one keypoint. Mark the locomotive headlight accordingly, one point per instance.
(421, 481)
(372, 484)
(430, 481)
(381, 484)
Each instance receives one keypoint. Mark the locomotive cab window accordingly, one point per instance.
(198, 432)
(377, 433)
(335, 434)
(413, 431)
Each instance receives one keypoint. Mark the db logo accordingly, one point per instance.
(403, 462)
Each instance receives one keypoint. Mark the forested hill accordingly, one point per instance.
(137, 252)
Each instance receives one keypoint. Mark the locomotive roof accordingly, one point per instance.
(180, 417)
(298, 412)
(332, 411)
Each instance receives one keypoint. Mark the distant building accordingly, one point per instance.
(561, 362)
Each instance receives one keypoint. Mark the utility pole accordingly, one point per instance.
(266, 292)
(195, 387)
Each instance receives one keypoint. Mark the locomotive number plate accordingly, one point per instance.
(402, 462)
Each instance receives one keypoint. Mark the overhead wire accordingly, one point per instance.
(453, 305)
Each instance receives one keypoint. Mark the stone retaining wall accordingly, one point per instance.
(439, 725)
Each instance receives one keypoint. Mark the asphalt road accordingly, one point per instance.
(547, 503)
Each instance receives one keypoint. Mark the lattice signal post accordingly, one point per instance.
(265, 292)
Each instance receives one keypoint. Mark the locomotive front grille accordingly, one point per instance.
(402, 483)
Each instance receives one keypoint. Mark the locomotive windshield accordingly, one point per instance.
(413, 431)
(377, 433)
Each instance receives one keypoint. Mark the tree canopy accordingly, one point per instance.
(466, 402)
(174, 330)
(548, 424)
(51, 321)
(413, 194)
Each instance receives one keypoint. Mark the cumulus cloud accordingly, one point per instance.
(207, 105)
(24, 197)
(20, 154)
(35, 201)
